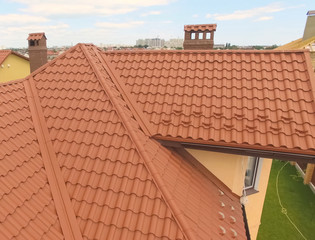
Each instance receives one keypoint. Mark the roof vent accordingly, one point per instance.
(199, 37)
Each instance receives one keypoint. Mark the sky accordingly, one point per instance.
(67, 23)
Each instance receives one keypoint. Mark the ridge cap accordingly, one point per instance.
(61, 198)
(137, 113)
(159, 183)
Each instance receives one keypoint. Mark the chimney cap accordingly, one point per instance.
(200, 27)
(312, 12)
(36, 36)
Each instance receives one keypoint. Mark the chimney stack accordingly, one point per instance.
(37, 50)
(309, 30)
(199, 37)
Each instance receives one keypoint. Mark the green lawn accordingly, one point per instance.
(296, 198)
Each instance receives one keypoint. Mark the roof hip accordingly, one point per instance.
(58, 188)
(177, 213)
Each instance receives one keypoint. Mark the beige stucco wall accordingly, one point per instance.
(255, 202)
(14, 67)
(230, 169)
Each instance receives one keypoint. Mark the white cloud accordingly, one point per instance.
(83, 7)
(167, 22)
(111, 25)
(195, 15)
(18, 19)
(151, 13)
(250, 13)
(266, 18)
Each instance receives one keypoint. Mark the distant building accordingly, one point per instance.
(174, 43)
(151, 42)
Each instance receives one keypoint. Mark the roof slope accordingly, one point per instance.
(297, 44)
(5, 53)
(117, 178)
(27, 209)
(245, 99)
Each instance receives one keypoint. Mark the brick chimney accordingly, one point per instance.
(37, 50)
(199, 36)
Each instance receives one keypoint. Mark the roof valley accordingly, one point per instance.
(58, 189)
(137, 140)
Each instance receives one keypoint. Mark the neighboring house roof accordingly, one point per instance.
(36, 36)
(5, 53)
(200, 27)
(78, 161)
(297, 44)
(252, 100)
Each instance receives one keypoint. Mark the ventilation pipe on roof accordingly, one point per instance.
(309, 30)
(37, 50)
(199, 37)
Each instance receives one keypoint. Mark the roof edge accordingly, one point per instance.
(191, 159)
(246, 149)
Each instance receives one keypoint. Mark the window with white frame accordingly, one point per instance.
(252, 173)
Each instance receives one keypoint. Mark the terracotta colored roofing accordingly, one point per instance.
(312, 12)
(77, 154)
(36, 36)
(200, 27)
(242, 99)
(5, 53)
(27, 208)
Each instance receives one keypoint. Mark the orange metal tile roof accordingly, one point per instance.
(5, 53)
(108, 179)
(246, 99)
(27, 208)
(200, 27)
(36, 36)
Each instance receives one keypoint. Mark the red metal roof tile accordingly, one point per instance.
(252, 99)
(79, 128)
(36, 36)
(200, 27)
(27, 209)
(4, 54)
(121, 183)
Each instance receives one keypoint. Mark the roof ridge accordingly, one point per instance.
(176, 212)
(61, 198)
(137, 112)
(231, 51)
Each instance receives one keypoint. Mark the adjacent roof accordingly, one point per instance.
(5, 53)
(78, 162)
(200, 27)
(297, 44)
(36, 36)
(261, 100)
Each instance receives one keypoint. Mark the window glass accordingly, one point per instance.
(193, 35)
(200, 36)
(251, 171)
